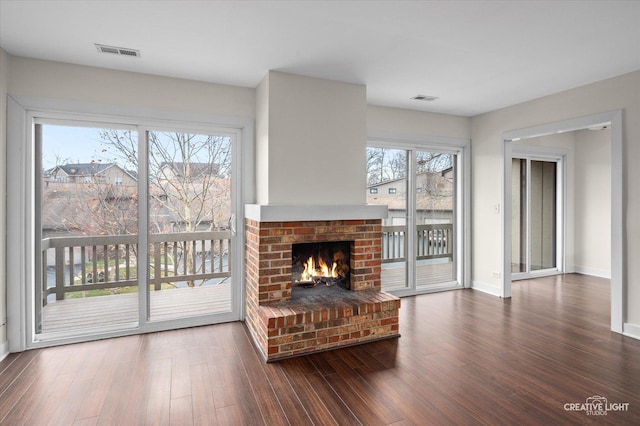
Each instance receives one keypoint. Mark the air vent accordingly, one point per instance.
(122, 51)
(425, 98)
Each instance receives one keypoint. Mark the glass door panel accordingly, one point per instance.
(519, 215)
(87, 209)
(435, 182)
(543, 215)
(387, 185)
(534, 216)
(190, 210)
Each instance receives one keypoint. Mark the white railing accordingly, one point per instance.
(79, 264)
(433, 242)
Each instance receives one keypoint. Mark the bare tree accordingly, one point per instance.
(189, 180)
(385, 164)
(90, 204)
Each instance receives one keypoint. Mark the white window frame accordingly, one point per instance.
(21, 218)
(461, 147)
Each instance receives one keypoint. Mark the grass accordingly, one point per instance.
(100, 267)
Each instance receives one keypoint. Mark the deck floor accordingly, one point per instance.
(89, 312)
(394, 278)
(120, 309)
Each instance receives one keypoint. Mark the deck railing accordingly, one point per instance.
(110, 261)
(434, 241)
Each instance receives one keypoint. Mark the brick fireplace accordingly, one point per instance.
(287, 320)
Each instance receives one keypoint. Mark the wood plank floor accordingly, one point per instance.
(464, 357)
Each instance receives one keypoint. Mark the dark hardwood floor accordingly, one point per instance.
(464, 357)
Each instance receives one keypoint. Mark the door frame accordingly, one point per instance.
(618, 254)
(20, 201)
(462, 148)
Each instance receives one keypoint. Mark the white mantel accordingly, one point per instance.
(283, 213)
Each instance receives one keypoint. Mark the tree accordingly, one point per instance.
(189, 180)
(90, 203)
(385, 164)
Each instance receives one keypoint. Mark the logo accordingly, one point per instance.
(596, 406)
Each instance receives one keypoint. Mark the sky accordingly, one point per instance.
(73, 144)
(66, 144)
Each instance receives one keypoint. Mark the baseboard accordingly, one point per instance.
(602, 273)
(485, 288)
(4, 350)
(631, 330)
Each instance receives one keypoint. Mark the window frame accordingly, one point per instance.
(21, 151)
(461, 147)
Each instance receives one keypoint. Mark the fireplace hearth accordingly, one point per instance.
(337, 303)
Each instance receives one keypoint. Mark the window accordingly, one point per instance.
(89, 243)
(423, 238)
(373, 190)
(124, 262)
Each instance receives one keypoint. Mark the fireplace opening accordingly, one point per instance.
(322, 264)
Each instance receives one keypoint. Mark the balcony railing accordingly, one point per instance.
(80, 264)
(434, 241)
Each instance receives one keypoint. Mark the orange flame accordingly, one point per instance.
(319, 269)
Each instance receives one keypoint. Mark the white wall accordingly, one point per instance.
(417, 123)
(37, 78)
(262, 141)
(316, 142)
(616, 93)
(593, 201)
(4, 72)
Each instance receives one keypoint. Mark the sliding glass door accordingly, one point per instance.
(435, 212)
(388, 184)
(189, 212)
(421, 245)
(134, 227)
(87, 230)
(536, 216)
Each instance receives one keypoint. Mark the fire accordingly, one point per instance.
(319, 269)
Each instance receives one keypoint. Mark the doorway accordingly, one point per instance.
(538, 208)
(614, 121)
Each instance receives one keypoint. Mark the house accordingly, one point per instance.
(196, 171)
(88, 173)
(302, 91)
(434, 203)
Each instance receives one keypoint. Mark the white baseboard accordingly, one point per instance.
(485, 288)
(631, 330)
(602, 273)
(4, 350)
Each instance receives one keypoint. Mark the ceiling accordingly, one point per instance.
(475, 56)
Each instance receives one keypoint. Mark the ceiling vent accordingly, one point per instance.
(425, 98)
(122, 51)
